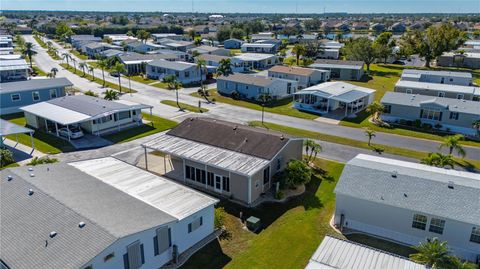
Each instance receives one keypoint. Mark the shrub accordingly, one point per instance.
(91, 93)
(427, 126)
(42, 160)
(403, 122)
(235, 95)
(279, 195)
(6, 157)
(220, 216)
(417, 123)
(297, 173)
(438, 126)
(409, 123)
(213, 100)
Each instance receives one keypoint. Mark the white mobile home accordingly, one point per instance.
(186, 73)
(306, 77)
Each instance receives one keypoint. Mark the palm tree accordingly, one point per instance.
(143, 35)
(91, 70)
(27, 51)
(299, 50)
(312, 148)
(174, 84)
(375, 109)
(370, 134)
(102, 64)
(197, 41)
(119, 68)
(54, 71)
(264, 97)
(82, 66)
(433, 253)
(476, 125)
(453, 143)
(439, 160)
(74, 61)
(111, 95)
(458, 264)
(66, 56)
(224, 68)
(202, 65)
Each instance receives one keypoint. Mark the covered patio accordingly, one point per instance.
(20, 151)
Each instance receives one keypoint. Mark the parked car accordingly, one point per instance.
(72, 132)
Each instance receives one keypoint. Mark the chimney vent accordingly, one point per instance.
(9, 177)
(451, 185)
(394, 174)
(81, 224)
(53, 234)
(30, 192)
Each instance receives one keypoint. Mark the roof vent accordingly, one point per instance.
(282, 137)
(246, 140)
(405, 195)
(451, 185)
(30, 192)
(394, 174)
(53, 234)
(81, 224)
(9, 177)
(30, 169)
(32, 175)
(235, 127)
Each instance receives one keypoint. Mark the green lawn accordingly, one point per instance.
(44, 142)
(161, 85)
(97, 80)
(40, 42)
(293, 230)
(9, 166)
(358, 144)
(148, 81)
(39, 71)
(78, 54)
(156, 125)
(184, 106)
(283, 107)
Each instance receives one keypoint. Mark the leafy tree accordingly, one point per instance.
(456, 263)
(453, 143)
(119, 68)
(439, 160)
(297, 173)
(383, 46)
(237, 33)
(63, 31)
(223, 33)
(111, 95)
(220, 216)
(197, 41)
(143, 35)
(370, 134)
(224, 68)
(360, 49)
(299, 50)
(191, 34)
(27, 51)
(432, 253)
(6, 157)
(375, 109)
(312, 149)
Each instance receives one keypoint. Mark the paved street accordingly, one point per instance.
(152, 96)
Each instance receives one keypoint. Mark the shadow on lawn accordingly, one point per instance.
(210, 256)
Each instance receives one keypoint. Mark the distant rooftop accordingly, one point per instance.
(178, 65)
(438, 87)
(337, 90)
(324, 63)
(436, 73)
(34, 84)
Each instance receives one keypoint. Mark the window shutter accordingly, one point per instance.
(155, 245)
(456, 115)
(201, 221)
(163, 239)
(440, 117)
(169, 237)
(421, 113)
(125, 261)
(189, 228)
(142, 253)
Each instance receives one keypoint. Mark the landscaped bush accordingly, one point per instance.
(235, 95)
(220, 216)
(42, 160)
(417, 123)
(6, 157)
(279, 195)
(427, 126)
(438, 126)
(296, 173)
(403, 122)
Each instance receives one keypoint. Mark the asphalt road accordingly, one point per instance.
(151, 95)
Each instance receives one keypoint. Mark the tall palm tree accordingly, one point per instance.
(264, 98)
(111, 95)
(458, 264)
(102, 64)
(476, 125)
(299, 50)
(54, 71)
(202, 65)
(66, 56)
(82, 66)
(27, 51)
(375, 109)
(74, 61)
(432, 253)
(92, 70)
(370, 134)
(453, 143)
(312, 148)
(224, 68)
(174, 84)
(119, 68)
(439, 160)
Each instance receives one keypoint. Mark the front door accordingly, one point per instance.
(218, 183)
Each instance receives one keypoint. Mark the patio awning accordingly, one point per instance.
(350, 96)
(9, 128)
(56, 113)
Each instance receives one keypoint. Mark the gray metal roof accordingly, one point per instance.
(248, 79)
(324, 63)
(416, 100)
(416, 187)
(88, 105)
(336, 253)
(437, 73)
(34, 84)
(438, 87)
(14, 64)
(178, 66)
(8, 128)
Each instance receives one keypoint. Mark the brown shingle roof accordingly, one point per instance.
(292, 70)
(228, 135)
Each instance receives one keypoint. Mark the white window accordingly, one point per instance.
(195, 224)
(53, 93)
(431, 114)
(15, 97)
(475, 236)
(437, 225)
(35, 96)
(419, 222)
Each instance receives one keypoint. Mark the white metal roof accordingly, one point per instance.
(253, 56)
(437, 86)
(210, 155)
(55, 113)
(15, 64)
(170, 197)
(342, 254)
(337, 90)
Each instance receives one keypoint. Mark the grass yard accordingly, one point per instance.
(97, 80)
(161, 85)
(292, 233)
(39, 71)
(188, 107)
(156, 125)
(40, 42)
(472, 164)
(143, 80)
(283, 107)
(9, 166)
(44, 142)
(79, 55)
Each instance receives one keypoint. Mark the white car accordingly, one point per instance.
(73, 132)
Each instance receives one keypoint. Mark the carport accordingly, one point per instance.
(8, 128)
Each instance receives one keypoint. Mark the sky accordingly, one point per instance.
(251, 6)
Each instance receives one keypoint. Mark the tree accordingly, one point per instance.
(66, 56)
(220, 216)
(173, 84)
(264, 98)
(383, 46)
(197, 41)
(370, 134)
(456, 263)
(111, 95)
(299, 50)
(432, 253)
(143, 35)
(313, 49)
(438, 160)
(54, 71)
(237, 33)
(223, 33)
(102, 64)
(6, 157)
(297, 173)
(191, 34)
(312, 148)
(360, 49)
(119, 68)
(375, 109)
(453, 143)
(92, 70)
(476, 125)
(90, 93)
(63, 31)
(224, 68)
(82, 66)
(27, 51)
(201, 66)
